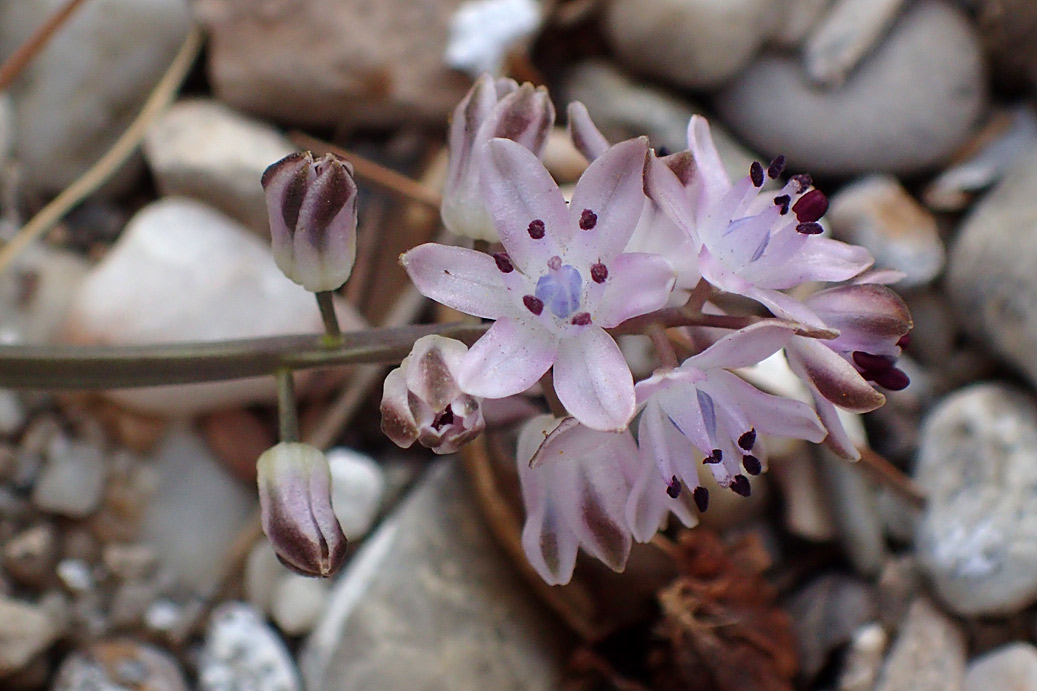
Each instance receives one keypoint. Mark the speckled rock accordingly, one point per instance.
(928, 655)
(120, 665)
(1012, 667)
(977, 538)
(204, 150)
(906, 108)
(242, 652)
(334, 62)
(691, 43)
(990, 272)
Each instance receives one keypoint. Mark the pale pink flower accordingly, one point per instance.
(701, 413)
(753, 242)
(575, 482)
(562, 280)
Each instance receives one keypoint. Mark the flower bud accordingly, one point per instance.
(312, 209)
(492, 108)
(295, 501)
(422, 401)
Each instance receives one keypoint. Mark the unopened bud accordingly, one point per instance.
(295, 501)
(492, 108)
(312, 209)
(422, 402)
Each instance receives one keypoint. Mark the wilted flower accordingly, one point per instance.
(295, 502)
(492, 108)
(422, 401)
(701, 412)
(873, 324)
(561, 282)
(751, 242)
(313, 217)
(575, 482)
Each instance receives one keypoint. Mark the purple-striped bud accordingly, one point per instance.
(492, 108)
(312, 209)
(295, 501)
(422, 402)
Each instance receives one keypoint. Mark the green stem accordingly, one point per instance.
(287, 417)
(326, 303)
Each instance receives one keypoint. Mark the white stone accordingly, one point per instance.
(205, 150)
(25, 631)
(263, 571)
(1011, 667)
(848, 31)
(297, 603)
(242, 652)
(72, 480)
(482, 32)
(12, 413)
(196, 509)
(928, 655)
(357, 489)
(692, 43)
(82, 90)
(182, 271)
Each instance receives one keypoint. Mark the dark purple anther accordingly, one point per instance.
(872, 363)
(811, 206)
(752, 464)
(503, 262)
(892, 379)
(747, 440)
(533, 304)
(904, 341)
(756, 174)
(718, 455)
(599, 272)
(581, 319)
(812, 228)
(782, 200)
(701, 497)
(740, 485)
(588, 219)
(673, 488)
(536, 229)
(802, 181)
(777, 167)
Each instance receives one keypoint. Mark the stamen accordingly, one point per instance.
(588, 219)
(718, 455)
(747, 440)
(673, 489)
(701, 497)
(756, 174)
(783, 201)
(811, 206)
(802, 181)
(503, 262)
(777, 167)
(443, 419)
(740, 485)
(892, 379)
(536, 229)
(752, 464)
(581, 319)
(599, 272)
(812, 228)
(710, 460)
(533, 304)
(872, 363)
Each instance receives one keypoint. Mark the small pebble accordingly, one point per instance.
(864, 658)
(1011, 667)
(928, 655)
(357, 488)
(25, 631)
(297, 603)
(241, 651)
(72, 480)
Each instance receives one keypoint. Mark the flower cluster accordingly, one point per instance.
(646, 243)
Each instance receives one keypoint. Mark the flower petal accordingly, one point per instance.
(834, 378)
(593, 381)
(585, 135)
(637, 283)
(819, 259)
(869, 317)
(668, 192)
(712, 181)
(743, 348)
(774, 415)
(607, 202)
(518, 190)
(464, 279)
(507, 359)
(663, 450)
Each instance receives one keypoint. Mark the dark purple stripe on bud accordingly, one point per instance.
(581, 319)
(783, 200)
(811, 206)
(673, 488)
(533, 304)
(599, 272)
(812, 228)
(588, 219)
(777, 167)
(752, 464)
(536, 229)
(747, 440)
(740, 485)
(701, 497)
(503, 262)
(756, 174)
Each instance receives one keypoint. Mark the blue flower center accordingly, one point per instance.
(559, 290)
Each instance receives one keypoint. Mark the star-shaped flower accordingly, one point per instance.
(561, 281)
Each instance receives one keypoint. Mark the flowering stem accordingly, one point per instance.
(287, 417)
(547, 383)
(332, 331)
(663, 347)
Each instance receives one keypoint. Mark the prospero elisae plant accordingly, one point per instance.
(646, 244)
